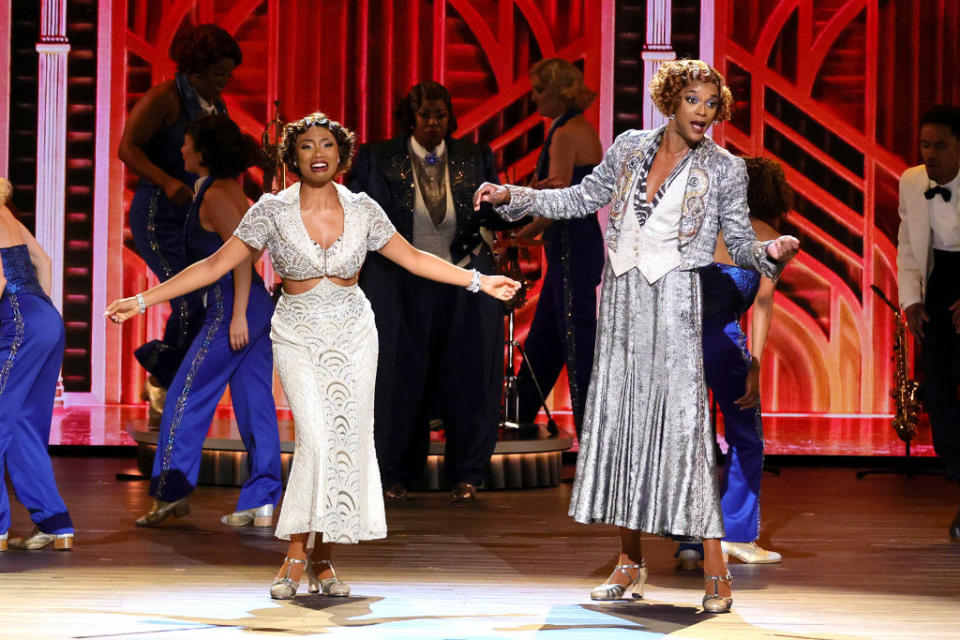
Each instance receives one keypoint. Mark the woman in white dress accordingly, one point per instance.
(324, 340)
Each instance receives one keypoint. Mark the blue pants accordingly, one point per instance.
(726, 362)
(31, 352)
(157, 226)
(210, 364)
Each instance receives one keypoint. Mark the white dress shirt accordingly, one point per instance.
(426, 235)
(654, 248)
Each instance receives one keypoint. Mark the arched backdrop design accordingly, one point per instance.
(353, 60)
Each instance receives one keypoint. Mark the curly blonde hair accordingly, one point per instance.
(673, 76)
(6, 191)
(346, 140)
(566, 79)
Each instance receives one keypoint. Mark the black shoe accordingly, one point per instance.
(396, 492)
(955, 528)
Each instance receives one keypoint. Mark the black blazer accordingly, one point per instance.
(383, 170)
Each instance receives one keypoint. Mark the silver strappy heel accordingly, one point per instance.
(614, 591)
(285, 588)
(333, 587)
(714, 602)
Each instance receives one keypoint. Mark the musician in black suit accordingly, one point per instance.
(441, 347)
(928, 276)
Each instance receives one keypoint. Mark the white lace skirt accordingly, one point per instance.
(325, 350)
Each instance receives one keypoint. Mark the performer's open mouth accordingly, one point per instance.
(698, 126)
(318, 167)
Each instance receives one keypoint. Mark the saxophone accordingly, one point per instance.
(906, 390)
(274, 170)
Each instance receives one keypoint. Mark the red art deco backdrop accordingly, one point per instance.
(831, 88)
(353, 60)
(834, 90)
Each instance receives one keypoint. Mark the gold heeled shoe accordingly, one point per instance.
(333, 586)
(748, 552)
(614, 591)
(285, 588)
(162, 510)
(714, 602)
(38, 540)
(257, 517)
(463, 493)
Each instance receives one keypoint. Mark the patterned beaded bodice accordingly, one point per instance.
(19, 272)
(275, 222)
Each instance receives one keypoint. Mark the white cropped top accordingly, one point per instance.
(275, 222)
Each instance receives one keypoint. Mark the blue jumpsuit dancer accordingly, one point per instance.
(157, 227)
(31, 352)
(566, 314)
(209, 365)
(728, 291)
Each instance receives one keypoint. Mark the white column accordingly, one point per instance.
(6, 9)
(52, 137)
(656, 51)
(707, 30)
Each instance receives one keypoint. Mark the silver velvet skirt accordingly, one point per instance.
(646, 458)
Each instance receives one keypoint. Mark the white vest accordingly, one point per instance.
(654, 248)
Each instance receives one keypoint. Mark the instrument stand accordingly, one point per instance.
(905, 468)
(511, 396)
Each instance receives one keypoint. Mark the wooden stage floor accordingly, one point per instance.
(862, 559)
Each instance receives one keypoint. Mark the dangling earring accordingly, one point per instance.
(672, 116)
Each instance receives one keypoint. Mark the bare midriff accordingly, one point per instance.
(296, 287)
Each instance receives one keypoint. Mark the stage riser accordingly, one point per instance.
(504, 471)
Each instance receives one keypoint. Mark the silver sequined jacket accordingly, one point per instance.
(715, 200)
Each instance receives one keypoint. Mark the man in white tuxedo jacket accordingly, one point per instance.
(928, 275)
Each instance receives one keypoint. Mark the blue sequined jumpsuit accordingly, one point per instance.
(157, 227)
(31, 352)
(728, 292)
(211, 364)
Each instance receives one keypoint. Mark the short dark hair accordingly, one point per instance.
(346, 140)
(224, 149)
(196, 48)
(769, 195)
(946, 114)
(406, 111)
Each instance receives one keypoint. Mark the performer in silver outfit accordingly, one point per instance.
(646, 459)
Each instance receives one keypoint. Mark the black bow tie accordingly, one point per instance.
(932, 191)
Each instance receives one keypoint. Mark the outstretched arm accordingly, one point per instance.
(196, 276)
(594, 192)
(427, 265)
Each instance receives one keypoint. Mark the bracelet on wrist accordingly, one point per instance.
(141, 304)
(474, 285)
